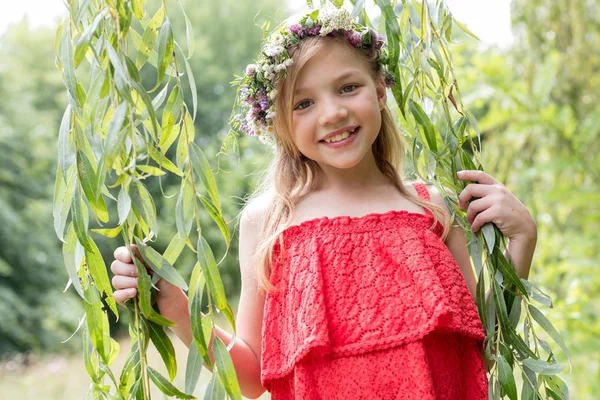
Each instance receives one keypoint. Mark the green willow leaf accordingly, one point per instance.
(193, 368)
(88, 180)
(558, 386)
(424, 121)
(170, 114)
(88, 352)
(189, 32)
(160, 266)
(165, 386)
(115, 135)
(165, 348)
(507, 380)
(150, 170)
(149, 107)
(527, 391)
(225, 369)
(465, 29)
(217, 217)
(213, 279)
(120, 75)
(392, 29)
(79, 218)
(123, 204)
(543, 367)
(68, 68)
(72, 256)
(97, 269)
(490, 236)
(63, 142)
(84, 40)
(110, 232)
(174, 249)
(97, 323)
(137, 7)
(550, 330)
(144, 296)
(146, 42)
(202, 168)
(143, 207)
(215, 389)
(165, 49)
(164, 162)
(193, 90)
(508, 271)
(197, 283)
(63, 195)
(184, 209)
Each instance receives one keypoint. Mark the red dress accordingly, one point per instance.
(371, 307)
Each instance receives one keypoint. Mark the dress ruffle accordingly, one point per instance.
(348, 286)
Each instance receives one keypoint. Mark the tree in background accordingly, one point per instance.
(539, 111)
(33, 313)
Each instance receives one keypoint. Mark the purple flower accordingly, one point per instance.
(354, 38)
(295, 29)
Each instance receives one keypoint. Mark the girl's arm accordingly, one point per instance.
(173, 305)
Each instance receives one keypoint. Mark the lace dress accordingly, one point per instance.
(371, 307)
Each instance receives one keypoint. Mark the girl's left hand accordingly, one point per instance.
(488, 200)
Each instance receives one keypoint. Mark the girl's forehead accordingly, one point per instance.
(332, 61)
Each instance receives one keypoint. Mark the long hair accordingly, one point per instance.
(291, 175)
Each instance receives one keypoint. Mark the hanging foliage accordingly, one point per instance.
(111, 144)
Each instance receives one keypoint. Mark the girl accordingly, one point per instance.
(353, 283)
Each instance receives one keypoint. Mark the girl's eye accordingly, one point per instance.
(349, 88)
(302, 105)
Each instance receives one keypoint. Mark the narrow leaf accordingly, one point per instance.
(550, 330)
(202, 168)
(165, 386)
(225, 369)
(165, 348)
(97, 269)
(507, 380)
(193, 368)
(160, 266)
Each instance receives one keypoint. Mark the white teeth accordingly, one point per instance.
(339, 137)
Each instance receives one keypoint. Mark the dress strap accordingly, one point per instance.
(423, 193)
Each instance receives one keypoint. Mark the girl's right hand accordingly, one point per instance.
(125, 279)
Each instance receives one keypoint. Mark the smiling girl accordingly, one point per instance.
(354, 284)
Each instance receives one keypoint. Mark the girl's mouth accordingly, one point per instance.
(342, 139)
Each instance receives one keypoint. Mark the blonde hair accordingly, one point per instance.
(291, 175)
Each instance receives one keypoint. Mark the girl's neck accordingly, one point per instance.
(364, 174)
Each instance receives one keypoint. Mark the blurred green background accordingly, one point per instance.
(536, 101)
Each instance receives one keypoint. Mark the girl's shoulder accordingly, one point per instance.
(432, 193)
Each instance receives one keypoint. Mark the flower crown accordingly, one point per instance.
(255, 103)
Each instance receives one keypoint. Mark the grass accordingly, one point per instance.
(65, 377)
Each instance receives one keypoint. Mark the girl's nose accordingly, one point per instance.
(332, 112)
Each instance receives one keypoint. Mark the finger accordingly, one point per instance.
(477, 206)
(473, 190)
(122, 254)
(124, 294)
(124, 269)
(476, 176)
(124, 282)
(482, 218)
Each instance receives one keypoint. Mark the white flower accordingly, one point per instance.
(272, 94)
(288, 62)
(332, 18)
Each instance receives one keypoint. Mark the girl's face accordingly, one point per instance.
(336, 107)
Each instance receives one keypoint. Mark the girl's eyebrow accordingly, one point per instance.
(345, 75)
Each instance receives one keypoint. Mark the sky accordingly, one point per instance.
(488, 19)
